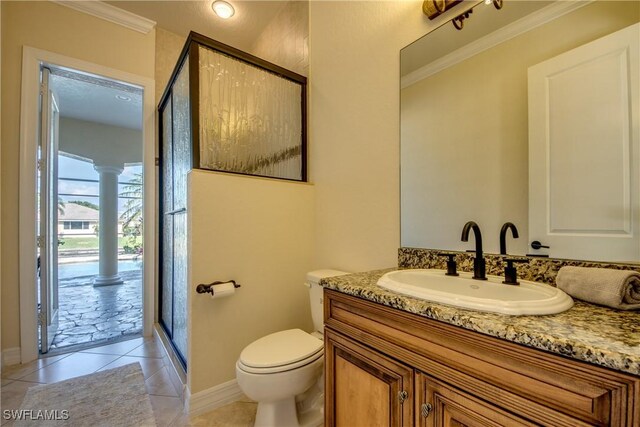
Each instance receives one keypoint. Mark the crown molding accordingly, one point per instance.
(527, 23)
(110, 13)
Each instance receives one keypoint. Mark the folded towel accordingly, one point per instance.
(614, 288)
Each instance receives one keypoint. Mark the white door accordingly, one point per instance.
(584, 174)
(48, 215)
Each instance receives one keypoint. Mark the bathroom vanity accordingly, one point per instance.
(474, 148)
(399, 361)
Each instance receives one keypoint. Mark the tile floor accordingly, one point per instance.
(162, 385)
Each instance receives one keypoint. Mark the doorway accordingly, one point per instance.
(90, 211)
(32, 61)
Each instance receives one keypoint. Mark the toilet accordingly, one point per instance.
(283, 371)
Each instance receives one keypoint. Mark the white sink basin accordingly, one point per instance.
(530, 298)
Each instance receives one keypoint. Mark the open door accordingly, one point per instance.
(48, 214)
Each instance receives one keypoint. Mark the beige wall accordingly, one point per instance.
(354, 127)
(168, 48)
(55, 28)
(285, 40)
(478, 171)
(258, 232)
(104, 144)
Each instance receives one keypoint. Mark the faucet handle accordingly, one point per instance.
(510, 270)
(451, 263)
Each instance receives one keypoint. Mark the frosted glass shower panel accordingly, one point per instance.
(250, 119)
(181, 166)
(166, 314)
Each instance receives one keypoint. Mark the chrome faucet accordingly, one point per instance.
(479, 266)
(503, 236)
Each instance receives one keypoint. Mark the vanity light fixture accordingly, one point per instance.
(433, 8)
(458, 21)
(223, 9)
(496, 3)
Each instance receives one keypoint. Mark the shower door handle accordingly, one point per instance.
(177, 211)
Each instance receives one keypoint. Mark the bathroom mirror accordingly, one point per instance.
(503, 121)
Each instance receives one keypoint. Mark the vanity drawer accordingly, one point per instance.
(545, 388)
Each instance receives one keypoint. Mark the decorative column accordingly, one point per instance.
(108, 225)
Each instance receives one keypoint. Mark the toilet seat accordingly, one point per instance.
(281, 351)
(281, 368)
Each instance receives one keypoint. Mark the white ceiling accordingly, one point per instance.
(84, 99)
(240, 31)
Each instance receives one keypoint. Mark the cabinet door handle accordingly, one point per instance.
(426, 409)
(402, 396)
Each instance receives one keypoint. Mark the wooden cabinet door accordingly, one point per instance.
(365, 388)
(440, 405)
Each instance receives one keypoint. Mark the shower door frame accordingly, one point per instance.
(190, 53)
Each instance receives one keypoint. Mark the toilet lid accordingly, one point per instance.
(280, 348)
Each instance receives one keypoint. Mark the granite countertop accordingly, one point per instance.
(587, 332)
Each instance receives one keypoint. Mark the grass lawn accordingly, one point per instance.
(89, 242)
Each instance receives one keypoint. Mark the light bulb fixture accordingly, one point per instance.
(434, 8)
(223, 9)
(458, 21)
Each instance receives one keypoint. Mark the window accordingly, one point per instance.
(76, 225)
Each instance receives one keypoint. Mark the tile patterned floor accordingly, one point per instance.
(163, 386)
(94, 314)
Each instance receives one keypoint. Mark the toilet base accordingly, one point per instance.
(283, 414)
(278, 413)
(304, 410)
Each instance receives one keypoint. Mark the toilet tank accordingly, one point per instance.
(315, 295)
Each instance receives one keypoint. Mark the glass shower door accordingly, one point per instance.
(176, 163)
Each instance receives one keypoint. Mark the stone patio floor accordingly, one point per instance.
(89, 314)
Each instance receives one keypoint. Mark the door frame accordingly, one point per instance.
(32, 59)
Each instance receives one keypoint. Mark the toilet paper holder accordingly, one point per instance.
(207, 288)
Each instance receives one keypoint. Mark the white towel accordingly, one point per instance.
(614, 288)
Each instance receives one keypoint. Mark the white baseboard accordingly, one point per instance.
(212, 398)
(11, 356)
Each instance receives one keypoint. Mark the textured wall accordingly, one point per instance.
(168, 48)
(285, 40)
(55, 28)
(354, 127)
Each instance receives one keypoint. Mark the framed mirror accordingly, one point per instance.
(529, 115)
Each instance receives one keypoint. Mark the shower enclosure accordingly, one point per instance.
(228, 111)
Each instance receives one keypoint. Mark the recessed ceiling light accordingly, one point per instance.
(223, 9)
(123, 98)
